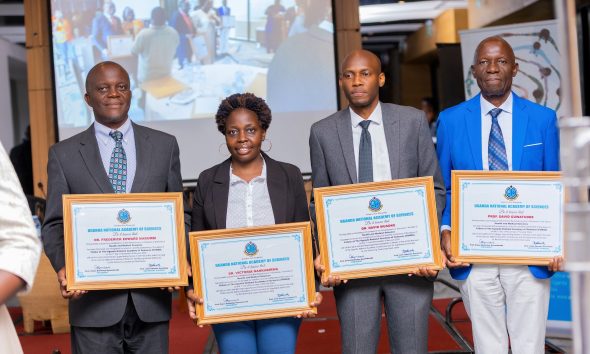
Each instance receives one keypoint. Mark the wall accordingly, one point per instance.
(8, 51)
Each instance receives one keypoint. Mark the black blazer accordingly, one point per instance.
(285, 188)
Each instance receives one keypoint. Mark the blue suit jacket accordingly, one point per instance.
(535, 147)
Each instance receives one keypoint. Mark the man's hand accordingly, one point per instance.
(61, 279)
(556, 264)
(445, 245)
(177, 288)
(332, 280)
(425, 272)
(191, 301)
(315, 303)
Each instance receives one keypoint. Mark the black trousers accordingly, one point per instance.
(130, 335)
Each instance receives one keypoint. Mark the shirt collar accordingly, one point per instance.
(486, 106)
(233, 179)
(376, 117)
(102, 131)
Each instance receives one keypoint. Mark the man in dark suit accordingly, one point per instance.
(112, 321)
(497, 130)
(374, 141)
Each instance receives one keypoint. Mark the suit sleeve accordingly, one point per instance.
(443, 149)
(428, 164)
(551, 152)
(319, 178)
(174, 184)
(53, 231)
(301, 211)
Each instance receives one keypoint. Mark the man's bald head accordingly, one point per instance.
(360, 80)
(492, 39)
(93, 73)
(363, 54)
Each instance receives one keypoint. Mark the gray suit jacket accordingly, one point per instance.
(409, 144)
(75, 167)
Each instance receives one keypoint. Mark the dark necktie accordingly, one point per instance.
(497, 159)
(118, 164)
(365, 173)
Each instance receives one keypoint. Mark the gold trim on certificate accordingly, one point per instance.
(505, 217)
(253, 272)
(124, 241)
(378, 228)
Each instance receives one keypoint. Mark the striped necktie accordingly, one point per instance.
(497, 159)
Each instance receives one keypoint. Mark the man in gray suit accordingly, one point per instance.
(114, 155)
(374, 141)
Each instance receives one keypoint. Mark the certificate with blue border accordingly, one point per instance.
(504, 217)
(253, 273)
(124, 241)
(378, 228)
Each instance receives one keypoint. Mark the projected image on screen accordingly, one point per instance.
(184, 57)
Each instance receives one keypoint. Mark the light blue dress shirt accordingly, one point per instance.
(106, 144)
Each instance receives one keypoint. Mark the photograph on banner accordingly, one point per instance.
(253, 273)
(378, 228)
(124, 241)
(507, 217)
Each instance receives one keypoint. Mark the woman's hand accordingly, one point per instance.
(191, 301)
(315, 303)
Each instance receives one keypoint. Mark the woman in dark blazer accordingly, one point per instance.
(249, 189)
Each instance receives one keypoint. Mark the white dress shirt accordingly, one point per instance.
(380, 155)
(106, 144)
(20, 247)
(248, 203)
(505, 122)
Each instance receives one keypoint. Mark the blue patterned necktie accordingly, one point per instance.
(497, 159)
(365, 154)
(118, 164)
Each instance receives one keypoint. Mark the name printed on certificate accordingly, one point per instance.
(511, 217)
(378, 228)
(134, 242)
(245, 274)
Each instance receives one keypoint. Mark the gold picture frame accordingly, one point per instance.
(124, 209)
(457, 178)
(320, 194)
(200, 239)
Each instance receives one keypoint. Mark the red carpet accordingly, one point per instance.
(318, 335)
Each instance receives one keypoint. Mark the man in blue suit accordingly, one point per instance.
(497, 130)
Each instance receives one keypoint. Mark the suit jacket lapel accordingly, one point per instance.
(345, 136)
(91, 156)
(221, 193)
(520, 121)
(473, 128)
(277, 189)
(390, 127)
(143, 152)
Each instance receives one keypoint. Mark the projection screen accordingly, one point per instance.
(181, 69)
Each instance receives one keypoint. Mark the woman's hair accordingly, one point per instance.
(128, 13)
(243, 101)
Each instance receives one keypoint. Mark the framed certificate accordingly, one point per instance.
(253, 273)
(120, 241)
(119, 45)
(503, 217)
(378, 228)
